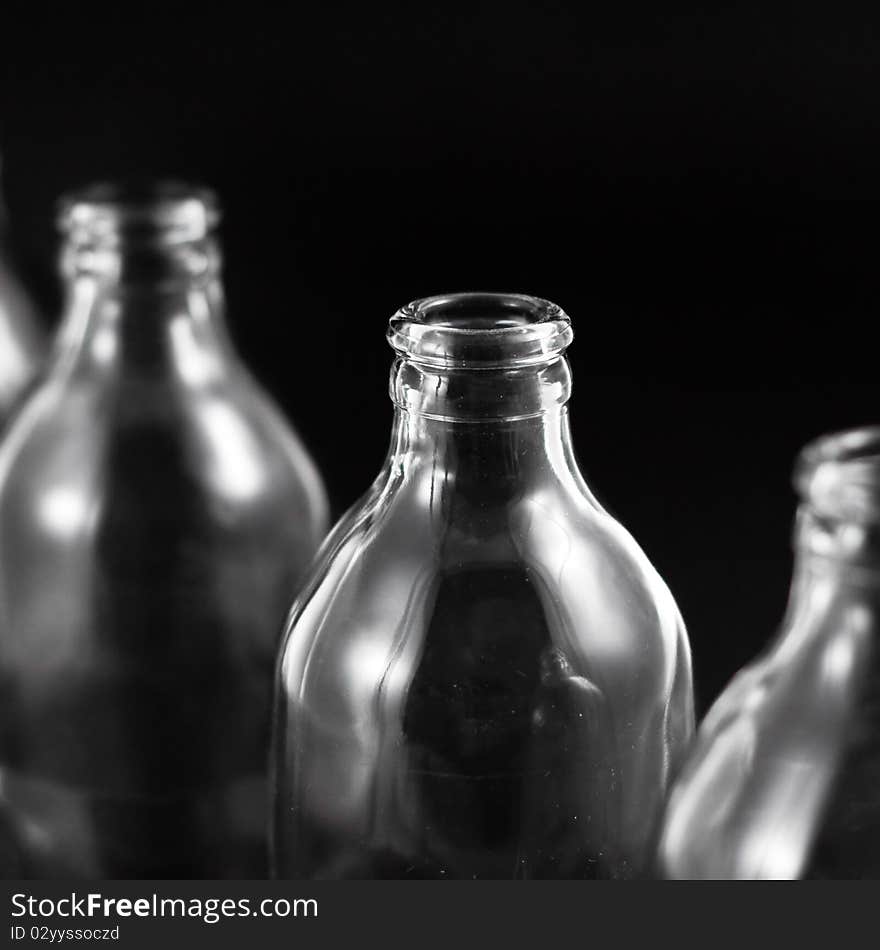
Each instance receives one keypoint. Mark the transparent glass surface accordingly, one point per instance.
(157, 514)
(22, 344)
(784, 779)
(484, 676)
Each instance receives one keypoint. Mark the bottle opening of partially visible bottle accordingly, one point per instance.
(840, 475)
(838, 480)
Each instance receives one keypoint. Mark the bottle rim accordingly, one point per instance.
(480, 330)
(107, 213)
(838, 475)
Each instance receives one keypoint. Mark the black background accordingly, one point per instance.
(697, 187)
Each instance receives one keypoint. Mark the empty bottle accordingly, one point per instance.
(784, 779)
(21, 336)
(484, 676)
(156, 516)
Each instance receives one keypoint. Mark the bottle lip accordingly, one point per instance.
(108, 213)
(838, 475)
(480, 330)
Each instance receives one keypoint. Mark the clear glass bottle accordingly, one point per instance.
(22, 342)
(484, 677)
(156, 516)
(784, 779)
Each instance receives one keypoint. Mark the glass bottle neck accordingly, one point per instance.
(489, 434)
(835, 591)
(840, 548)
(144, 298)
(466, 397)
(152, 312)
(837, 531)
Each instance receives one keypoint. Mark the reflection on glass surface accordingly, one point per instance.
(21, 337)
(784, 780)
(484, 678)
(156, 516)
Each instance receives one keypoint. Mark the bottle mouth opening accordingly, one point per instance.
(480, 330)
(167, 212)
(838, 475)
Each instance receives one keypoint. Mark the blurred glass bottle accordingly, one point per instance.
(156, 516)
(22, 343)
(485, 677)
(784, 780)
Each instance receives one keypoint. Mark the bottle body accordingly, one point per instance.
(21, 336)
(782, 782)
(485, 678)
(155, 514)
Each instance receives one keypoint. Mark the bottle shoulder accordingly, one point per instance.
(555, 531)
(70, 407)
(225, 448)
(391, 565)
